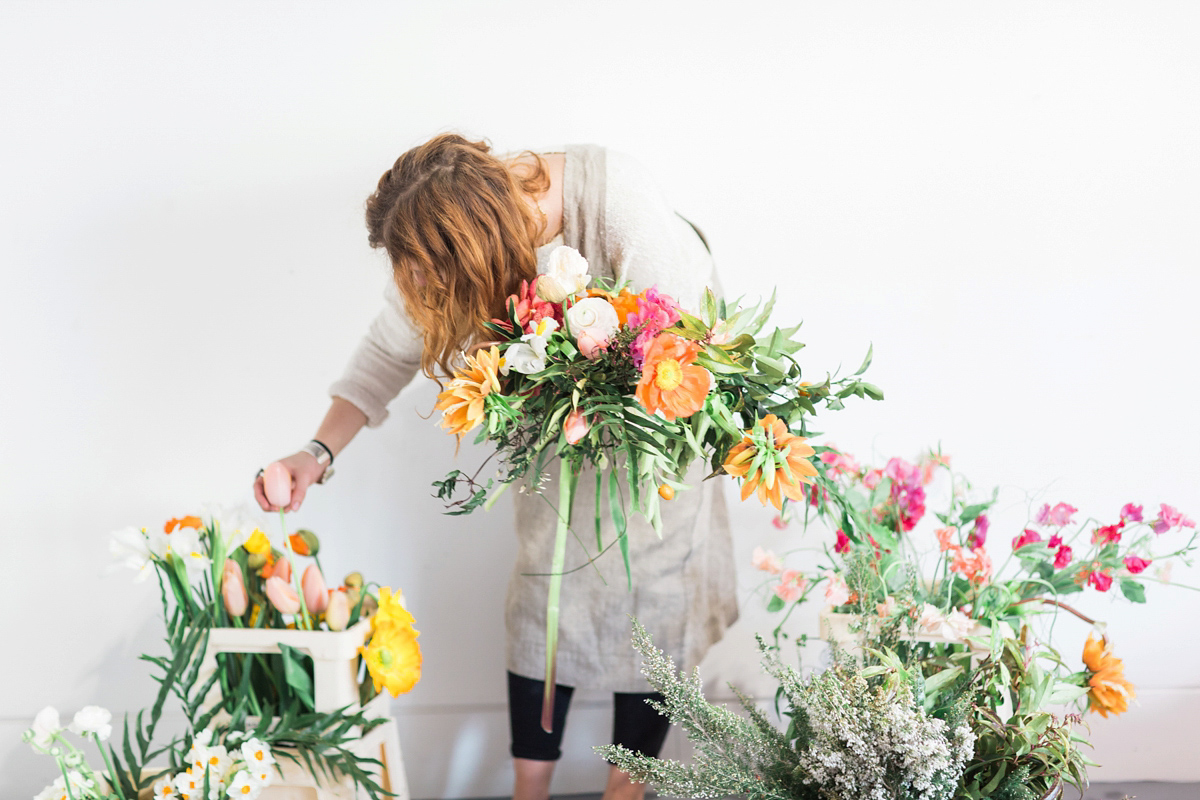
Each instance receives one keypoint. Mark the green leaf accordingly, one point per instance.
(866, 361)
(1133, 590)
(775, 604)
(616, 508)
(296, 675)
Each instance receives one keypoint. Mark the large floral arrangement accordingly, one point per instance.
(638, 387)
(955, 622)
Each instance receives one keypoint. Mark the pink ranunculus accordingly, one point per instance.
(316, 598)
(655, 311)
(337, 614)
(766, 560)
(277, 484)
(1131, 513)
(1027, 537)
(946, 538)
(591, 342)
(872, 478)
(1136, 564)
(837, 593)
(1109, 534)
(1170, 517)
(576, 427)
(282, 596)
(1063, 557)
(842, 545)
(233, 589)
(1059, 515)
(1102, 581)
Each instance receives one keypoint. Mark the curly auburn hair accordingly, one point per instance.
(461, 238)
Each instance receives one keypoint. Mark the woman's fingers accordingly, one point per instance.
(261, 496)
(299, 489)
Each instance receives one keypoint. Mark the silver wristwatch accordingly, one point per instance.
(324, 458)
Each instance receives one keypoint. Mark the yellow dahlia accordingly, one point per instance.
(461, 403)
(773, 462)
(1110, 692)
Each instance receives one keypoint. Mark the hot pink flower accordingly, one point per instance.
(872, 478)
(1135, 564)
(840, 463)
(1131, 513)
(576, 427)
(1055, 541)
(655, 311)
(1169, 517)
(1059, 516)
(1102, 581)
(1063, 557)
(1027, 537)
(978, 535)
(842, 545)
(901, 471)
(1109, 534)
(766, 560)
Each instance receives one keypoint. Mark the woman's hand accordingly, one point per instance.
(304, 470)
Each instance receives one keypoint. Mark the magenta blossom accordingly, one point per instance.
(1131, 513)
(1060, 515)
(840, 463)
(978, 535)
(901, 471)
(1169, 517)
(655, 311)
(1063, 557)
(1101, 580)
(1135, 564)
(1109, 534)
(1055, 541)
(1027, 537)
(842, 545)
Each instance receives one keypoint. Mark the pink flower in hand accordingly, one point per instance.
(1059, 516)
(842, 545)
(576, 427)
(282, 596)
(316, 598)
(1169, 517)
(277, 484)
(1131, 513)
(766, 560)
(1063, 557)
(1135, 564)
(233, 589)
(1027, 537)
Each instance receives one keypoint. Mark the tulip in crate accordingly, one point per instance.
(262, 649)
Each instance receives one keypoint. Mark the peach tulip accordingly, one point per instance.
(576, 426)
(277, 484)
(233, 589)
(316, 598)
(282, 569)
(337, 615)
(282, 596)
(591, 342)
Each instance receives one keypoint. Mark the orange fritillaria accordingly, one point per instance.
(787, 483)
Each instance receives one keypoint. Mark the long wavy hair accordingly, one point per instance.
(461, 238)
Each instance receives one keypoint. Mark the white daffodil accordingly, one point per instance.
(45, 725)
(256, 753)
(184, 544)
(244, 786)
(595, 314)
(566, 274)
(540, 336)
(234, 523)
(189, 784)
(523, 358)
(137, 549)
(164, 789)
(91, 720)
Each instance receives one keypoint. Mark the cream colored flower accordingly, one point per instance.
(595, 314)
(566, 275)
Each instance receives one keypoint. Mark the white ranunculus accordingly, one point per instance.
(45, 725)
(566, 274)
(594, 313)
(92, 720)
(131, 547)
(523, 358)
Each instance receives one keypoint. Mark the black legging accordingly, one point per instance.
(636, 725)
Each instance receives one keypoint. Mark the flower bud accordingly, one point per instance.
(576, 427)
(277, 484)
(316, 598)
(337, 615)
(256, 560)
(353, 581)
(233, 589)
(282, 596)
(305, 542)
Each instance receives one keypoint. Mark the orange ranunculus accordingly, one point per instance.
(461, 403)
(1110, 692)
(791, 457)
(624, 301)
(670, 382)
(183, 522)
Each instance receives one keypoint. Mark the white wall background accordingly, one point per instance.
(1001, 196)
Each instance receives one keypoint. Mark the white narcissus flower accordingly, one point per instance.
(595, 314)
(184, 544)
(45, 725)
(164, 789)
(92, 720)
(244, 786)
(540, 335)
(256, 753)
(137, 549)
(523, 358)
(566, 274)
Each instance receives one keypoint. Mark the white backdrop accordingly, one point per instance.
(1001, 197)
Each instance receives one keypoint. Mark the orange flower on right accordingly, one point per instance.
(1110, 692)
(782, 470)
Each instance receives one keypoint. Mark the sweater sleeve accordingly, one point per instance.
(386, 360)
(648, 244)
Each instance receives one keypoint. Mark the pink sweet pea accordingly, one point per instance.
(978, 535)
(945, 537)
(872, 478)
(1135, 564)
(842, 545)
(837, 593)
(576, 427)
(901, 471)
(1102, 581)
(791, 585)
(1131, 513)
(655, 311)
(1169, 517)
(1059, 516)
(839, 463)
(766, 560)
(779, 522)
(974, 565)
(1063, 557)
(1027, 537)
(1055, 541)
(1109, 534)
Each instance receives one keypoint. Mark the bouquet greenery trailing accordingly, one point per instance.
(637, 387)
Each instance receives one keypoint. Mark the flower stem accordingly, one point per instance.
(560, 552)
(113, 781)
(1061, 605)
(287, 545)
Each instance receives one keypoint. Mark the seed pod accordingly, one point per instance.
(666, 492)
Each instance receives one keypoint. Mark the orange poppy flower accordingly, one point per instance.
(785, 459)
(461, 403)
(1110, 692)
(183, 522)
(670, 382)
